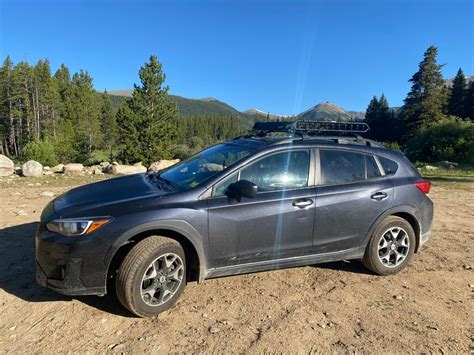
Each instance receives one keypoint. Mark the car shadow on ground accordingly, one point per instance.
(353, 266)
(18, 272)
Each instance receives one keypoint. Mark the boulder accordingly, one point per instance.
(32, 168)
(430, 167)
(73, 169)
(57, 169)
(162, 164)
(6, 166)
(97, 171)
(125, 169)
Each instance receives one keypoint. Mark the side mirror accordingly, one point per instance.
(242, 188)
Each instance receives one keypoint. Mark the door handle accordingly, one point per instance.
(379, 196)
(302, 203)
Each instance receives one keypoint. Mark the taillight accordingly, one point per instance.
(424, 186)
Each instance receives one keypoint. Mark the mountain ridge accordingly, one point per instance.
(209, 106)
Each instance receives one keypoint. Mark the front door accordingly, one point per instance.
(277, 223)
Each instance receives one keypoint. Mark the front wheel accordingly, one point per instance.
(152, 276)
(391, 247)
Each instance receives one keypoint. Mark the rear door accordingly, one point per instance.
(277, 223)
(350, 194)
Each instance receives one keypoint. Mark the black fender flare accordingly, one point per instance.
(408, 209)
(178, 226)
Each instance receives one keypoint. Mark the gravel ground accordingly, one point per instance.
(337, 307)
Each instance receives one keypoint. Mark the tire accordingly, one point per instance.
(148, 279)
(388, 252)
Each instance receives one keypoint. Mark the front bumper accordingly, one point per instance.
(70, 266)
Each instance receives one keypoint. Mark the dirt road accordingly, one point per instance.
(332, 307)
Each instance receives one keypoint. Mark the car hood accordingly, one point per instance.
(105, 193)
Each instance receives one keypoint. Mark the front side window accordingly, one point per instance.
(339, 167)
(280, 171)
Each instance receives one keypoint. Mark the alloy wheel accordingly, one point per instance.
(393, 247)
(162, 279)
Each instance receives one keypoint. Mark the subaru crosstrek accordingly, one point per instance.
(255, 203)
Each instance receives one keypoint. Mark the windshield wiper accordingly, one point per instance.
(161, 182)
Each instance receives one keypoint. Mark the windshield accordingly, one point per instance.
(202, 166)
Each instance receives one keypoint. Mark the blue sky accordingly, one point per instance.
(279, 56)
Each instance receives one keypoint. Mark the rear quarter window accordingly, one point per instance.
(389, 166)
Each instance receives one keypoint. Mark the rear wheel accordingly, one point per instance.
(391, 247)
(152, 276)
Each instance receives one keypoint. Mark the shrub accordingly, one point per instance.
(41, 151)
(450, 139)
(98, 156)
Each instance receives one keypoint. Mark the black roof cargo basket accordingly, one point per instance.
(305, 126)
(315, 129)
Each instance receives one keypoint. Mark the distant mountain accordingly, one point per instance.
(326, 111)
(469, 78)
(186, 107)
(255, 112)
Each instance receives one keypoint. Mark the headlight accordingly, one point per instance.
(75, 227)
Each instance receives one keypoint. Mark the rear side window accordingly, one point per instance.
(339, 167)
(389, 166)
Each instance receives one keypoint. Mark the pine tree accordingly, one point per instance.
(6, 119)
(86, 112)
(108, 124)
(371, 117)
(456, 105)
(424, 103)
(469, 102)
(152, 114)
(380, 119)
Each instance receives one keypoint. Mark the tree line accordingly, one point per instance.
(61, 118)
(436, 121)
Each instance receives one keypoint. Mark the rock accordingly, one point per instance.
(73, 169)
(32, 168)
(104, 163)
(398, 297)
(46, 168)
(214, 330)
(162, 164)
(431, 167)
(466, 267)
(21, 213)
(116, 346)
(47, 194)
(48, 173)
(138, 164)
(17, 171)
(124, 169)
(57, 169)
(6, 166)
(97, 171)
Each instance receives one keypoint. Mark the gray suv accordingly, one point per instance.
(291, 194)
